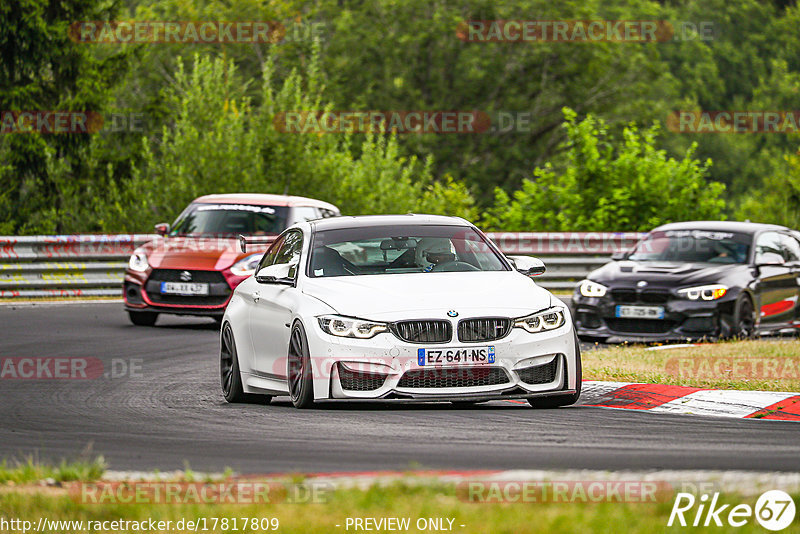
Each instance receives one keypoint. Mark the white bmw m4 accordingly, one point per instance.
(396, 307)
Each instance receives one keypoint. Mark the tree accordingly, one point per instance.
(609, 184)
(221, 142)
(778, 201)
(42, 70)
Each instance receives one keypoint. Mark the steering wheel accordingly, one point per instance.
(454, 266)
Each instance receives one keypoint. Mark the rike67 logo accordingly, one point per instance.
(774, 510)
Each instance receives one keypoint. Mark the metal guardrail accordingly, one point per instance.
(93, 265)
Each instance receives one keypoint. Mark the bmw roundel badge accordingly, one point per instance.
(452, 313)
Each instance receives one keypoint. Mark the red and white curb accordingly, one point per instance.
(659, 398)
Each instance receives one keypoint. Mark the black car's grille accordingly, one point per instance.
(484, 329)
(463, 377)
(359, 381)
(623, 295)
(640, 326)
(540, 374)
(632, 296)
(654, 297)
(431, 331)
(218, 289)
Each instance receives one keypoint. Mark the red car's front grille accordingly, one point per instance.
(218, 289)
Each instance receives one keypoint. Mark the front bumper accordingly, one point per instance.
(140, 293)
(684, 320)
(387, 368)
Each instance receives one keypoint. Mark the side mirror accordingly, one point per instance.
(769, 258)
(162, 228)
(275, 274)
(619, 256)
(527, 265)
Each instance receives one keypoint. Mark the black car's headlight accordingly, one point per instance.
(336, 325)
(138, 262)
(548, 319)
(709, 292)
(588, 288)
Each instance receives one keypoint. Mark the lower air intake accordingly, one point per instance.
(463, 377)
(359, 381)
(540, 374)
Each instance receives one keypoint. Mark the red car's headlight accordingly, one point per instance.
(246, 266)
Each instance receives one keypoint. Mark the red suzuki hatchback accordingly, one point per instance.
(195, 264)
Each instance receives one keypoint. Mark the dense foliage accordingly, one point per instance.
(609, 183)
(208, 113)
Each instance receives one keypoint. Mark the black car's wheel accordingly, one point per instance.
(744, 318)
(301, 388)
(229, 374)
(555, 401)
(143, 318)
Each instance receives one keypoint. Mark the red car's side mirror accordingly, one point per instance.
(162, 228)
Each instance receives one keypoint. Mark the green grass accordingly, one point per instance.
(31, 470)
(744, 365)
(395, 500)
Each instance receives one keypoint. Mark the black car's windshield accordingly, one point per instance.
(400, 249)
(698, 246)
(230, 219)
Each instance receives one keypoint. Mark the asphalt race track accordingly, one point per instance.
(172, 414)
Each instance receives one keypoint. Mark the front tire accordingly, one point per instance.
(230, 376)
(744, 318)
(301, 387)
(143, 318)
(556, 401)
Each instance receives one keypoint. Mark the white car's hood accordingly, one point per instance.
(407, 296)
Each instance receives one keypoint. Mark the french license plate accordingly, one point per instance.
(456, 356)
(640, 312)
(183, 288)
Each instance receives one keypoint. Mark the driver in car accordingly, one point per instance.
(433, 251)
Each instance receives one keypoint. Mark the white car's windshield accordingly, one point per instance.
(401, 249)
(698, 246)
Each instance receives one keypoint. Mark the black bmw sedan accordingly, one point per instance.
(694, 280)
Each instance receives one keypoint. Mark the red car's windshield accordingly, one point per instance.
(230, 219)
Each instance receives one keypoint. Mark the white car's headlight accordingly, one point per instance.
(709, 292)
(138, 262)
(592, 289)
(247, 266)
(549, 319)
(336, 325)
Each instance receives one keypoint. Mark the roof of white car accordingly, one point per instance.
(335, 223)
